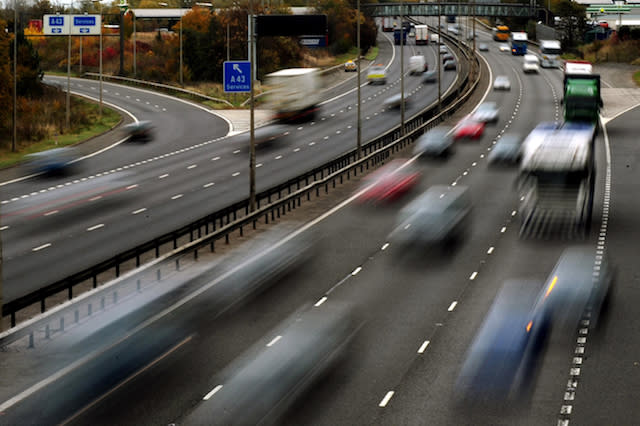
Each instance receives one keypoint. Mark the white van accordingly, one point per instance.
(531, 63)
(417, 64)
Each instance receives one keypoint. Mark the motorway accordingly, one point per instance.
(135, 192)
(420, 310)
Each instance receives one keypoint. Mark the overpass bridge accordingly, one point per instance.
(520, 10)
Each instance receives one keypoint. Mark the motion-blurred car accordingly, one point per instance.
(468, 128)
(447, 57)
(471, 36)
(531, 64)
(350, 66)
(55, 161)
(504, 356)
(436, 142)
(444, 49)
(140, 131)
(575, 285)
(418, 64)
(508, 150)
(265, 381)
(449, 65)
(439, 215)
(265, 135)
(487, 112)
(395, 101)
(389, 183)
(504, 47)
(430, 76)
(502, 83)
(483, 47)
(377, 74)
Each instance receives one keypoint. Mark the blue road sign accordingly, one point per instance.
(56, 30)
(84, 21)
(237, 76)
(56, 21)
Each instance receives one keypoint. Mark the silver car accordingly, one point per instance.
(507, 150)
(502, 83)
(436, 142)
(487, 112)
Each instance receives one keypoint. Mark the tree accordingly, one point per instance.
(572, 22)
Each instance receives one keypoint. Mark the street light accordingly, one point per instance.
(98, 1)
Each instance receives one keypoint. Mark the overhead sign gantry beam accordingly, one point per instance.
(444, 8)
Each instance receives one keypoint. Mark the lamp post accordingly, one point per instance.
(68, 109)
(181, 83)
(100, 72)
(359, 125)
(15, 84)
(252, 136)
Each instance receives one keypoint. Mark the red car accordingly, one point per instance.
(468, 129)
(389, 183)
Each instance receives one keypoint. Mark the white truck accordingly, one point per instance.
(550, 51)
(387, 24)
(557, 180)
(422, 34)
(294, 93)
(435, 38)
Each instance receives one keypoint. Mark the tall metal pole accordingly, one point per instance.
(228, 41)
(473, 8)
(121, 72)
(181, 83)
(68, 114)
(100, 59)
(402, 68)
(359, 134)
(438, 56)
(80, 58)
(135, 62)
(252, 141)
(14, 140)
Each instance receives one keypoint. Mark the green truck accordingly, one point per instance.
(582, 95)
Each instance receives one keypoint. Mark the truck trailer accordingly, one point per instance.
(557, 180)
(294, 93)
(422, 34)
(582, 94)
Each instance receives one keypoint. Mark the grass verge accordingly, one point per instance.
(99, 125)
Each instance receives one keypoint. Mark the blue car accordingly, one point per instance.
(502, 361)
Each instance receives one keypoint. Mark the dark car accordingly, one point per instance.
(55, 161)
(436, 142)
(265, 381)
(440, 215)
(449, 65)
(576, 285)
(502, 360)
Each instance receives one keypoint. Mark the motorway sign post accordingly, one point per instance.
(237, 76)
